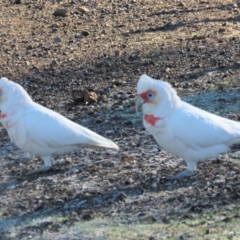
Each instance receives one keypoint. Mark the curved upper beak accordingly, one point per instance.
(138, 103)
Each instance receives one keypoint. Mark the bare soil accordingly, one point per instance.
(104, 46)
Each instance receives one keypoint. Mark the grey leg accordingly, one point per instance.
(44, 168)
(181, 163)
(189, 172)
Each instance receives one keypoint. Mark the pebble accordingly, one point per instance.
(154, 185)
(120, 197)
(109, 132)
(128, 123)
(60, 13)
(85, 33)
(57, 40)
(83, 9)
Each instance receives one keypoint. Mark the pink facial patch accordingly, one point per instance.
(150, 119)
(144, 95)
(3, 115)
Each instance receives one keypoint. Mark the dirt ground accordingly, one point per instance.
(104, 46)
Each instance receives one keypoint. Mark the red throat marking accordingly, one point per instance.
(150, 119)
(2, 115)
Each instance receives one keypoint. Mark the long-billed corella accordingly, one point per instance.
(182, 129)
(39, 131)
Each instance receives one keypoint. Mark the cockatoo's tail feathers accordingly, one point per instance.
(89, 138)
(101, 142)
(113, 145)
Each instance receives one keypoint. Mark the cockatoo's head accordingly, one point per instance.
(155, 96)
(12, 94)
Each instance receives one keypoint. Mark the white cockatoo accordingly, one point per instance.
(182, 129)
(39, 131)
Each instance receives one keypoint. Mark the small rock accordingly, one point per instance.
(55, 25)
(182, 4)
(186, 85)
(98, 121)
(221, 30)
(129, 181)
(69, 160)
(154, 185)
(59, 201)
(109, 132)
(117, 53)
(211, 231)
(17, 2)
(120, 197)
(83, 9)
(54, 61)
(60, 13)
(86, 217)
(79, 94)
(128, 123)
(83, 95)
(168, 70)
(85, 33)
(124, 97)
(116, 96)
(29, 47)
(91, 113)
(57, 40)
(79, 204)
(45, 224)
(54, 30)
(146, 217)
(91, 97)
(230, 235)
(125, 157)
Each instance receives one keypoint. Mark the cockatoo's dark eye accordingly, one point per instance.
(151, 96)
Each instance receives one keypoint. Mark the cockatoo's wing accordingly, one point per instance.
(50, 129)
(199, 129)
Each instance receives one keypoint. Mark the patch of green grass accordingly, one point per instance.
(212, 224)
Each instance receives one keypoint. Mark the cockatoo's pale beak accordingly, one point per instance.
(138, 103)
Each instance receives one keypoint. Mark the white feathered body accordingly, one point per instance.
(187, 131)
(40, 131)
(194, 134)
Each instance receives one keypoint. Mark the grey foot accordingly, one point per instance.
(24, 159)
(40, 170)
(45, 167)
(27, 158)
(185, 173)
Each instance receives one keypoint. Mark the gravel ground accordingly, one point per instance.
(57, 48)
